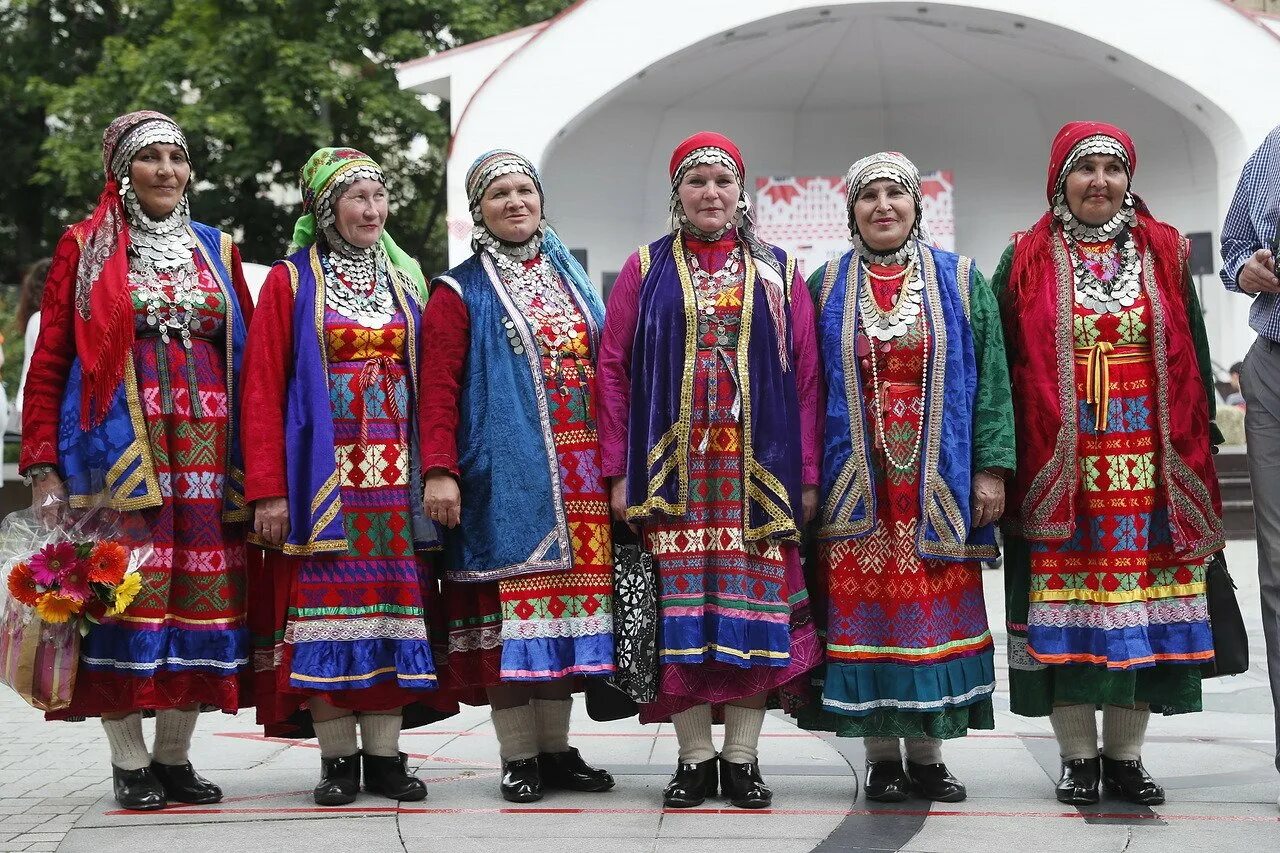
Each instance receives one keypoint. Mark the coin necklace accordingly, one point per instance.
(894, 323)
(1107, 282)
(162, 270)
(867, 352)
(709, 287)
(368, 303)
(545, 303)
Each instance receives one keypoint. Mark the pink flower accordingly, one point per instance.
(73, 583)
(51, 561)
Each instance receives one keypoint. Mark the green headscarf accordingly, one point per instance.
(322, 174)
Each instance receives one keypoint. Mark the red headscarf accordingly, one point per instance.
(706, 139)
(1067, 139)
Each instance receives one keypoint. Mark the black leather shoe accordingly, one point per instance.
(339, 781)
(935, 782)
(887, 781)
(743, 786)
(389, 776)
(691, 785)
(1079, 783)
(521, 781)
(568, 772)
(137, 790)
(182, 784)
(1130, 780)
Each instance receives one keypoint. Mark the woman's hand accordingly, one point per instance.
(442, 499)
(618, 502)
(271, 520)
(808, 503)
(988, 498)
(48, 498)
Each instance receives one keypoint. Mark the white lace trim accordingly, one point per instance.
(346, 630)
(575, 626)
(1133, 615)
(944, 702)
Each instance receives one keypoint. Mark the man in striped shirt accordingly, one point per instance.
(1248, 237)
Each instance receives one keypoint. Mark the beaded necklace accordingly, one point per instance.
(867, 351)
(897, 321)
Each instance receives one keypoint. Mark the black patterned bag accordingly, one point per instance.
(635, 616)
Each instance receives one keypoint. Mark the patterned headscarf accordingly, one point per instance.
(328, 174)
(891, 165)
(105, 335)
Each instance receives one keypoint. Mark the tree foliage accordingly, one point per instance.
(257, 85)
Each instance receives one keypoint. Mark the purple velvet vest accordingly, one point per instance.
(660, 419)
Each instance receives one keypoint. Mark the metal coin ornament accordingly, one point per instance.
(1107, 281)
(882, 331)
(368, 303)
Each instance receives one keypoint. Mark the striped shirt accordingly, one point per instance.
(1250, 225)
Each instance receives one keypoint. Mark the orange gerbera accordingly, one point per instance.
(107, 563)
(22, 585)
(52, 607)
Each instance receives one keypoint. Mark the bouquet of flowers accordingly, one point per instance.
(60, 581)
(76, 581)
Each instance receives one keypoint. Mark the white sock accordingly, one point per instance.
(337, 737)
(924, 750)
(553, 723)
(742, 734)
(517, 731)
(128, 749)
(882, 749)
(380, 734)
(693, 734)
(1076, 728)
(1123, 731)
(174, 728)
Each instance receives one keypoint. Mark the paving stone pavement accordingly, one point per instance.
(1217, 768)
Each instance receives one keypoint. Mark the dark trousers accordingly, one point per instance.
(1261, 384)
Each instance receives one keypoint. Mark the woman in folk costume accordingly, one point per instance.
(1115, 505)
(918, 440)
(340, 605)
(709, 427)
(131, 396)
(513, 461)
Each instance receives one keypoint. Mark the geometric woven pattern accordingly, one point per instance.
(1112, 594)
(357, 620)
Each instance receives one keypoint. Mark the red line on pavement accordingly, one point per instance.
(375, 810)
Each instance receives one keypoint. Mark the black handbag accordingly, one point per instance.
(1230, 639)
(635, 617)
